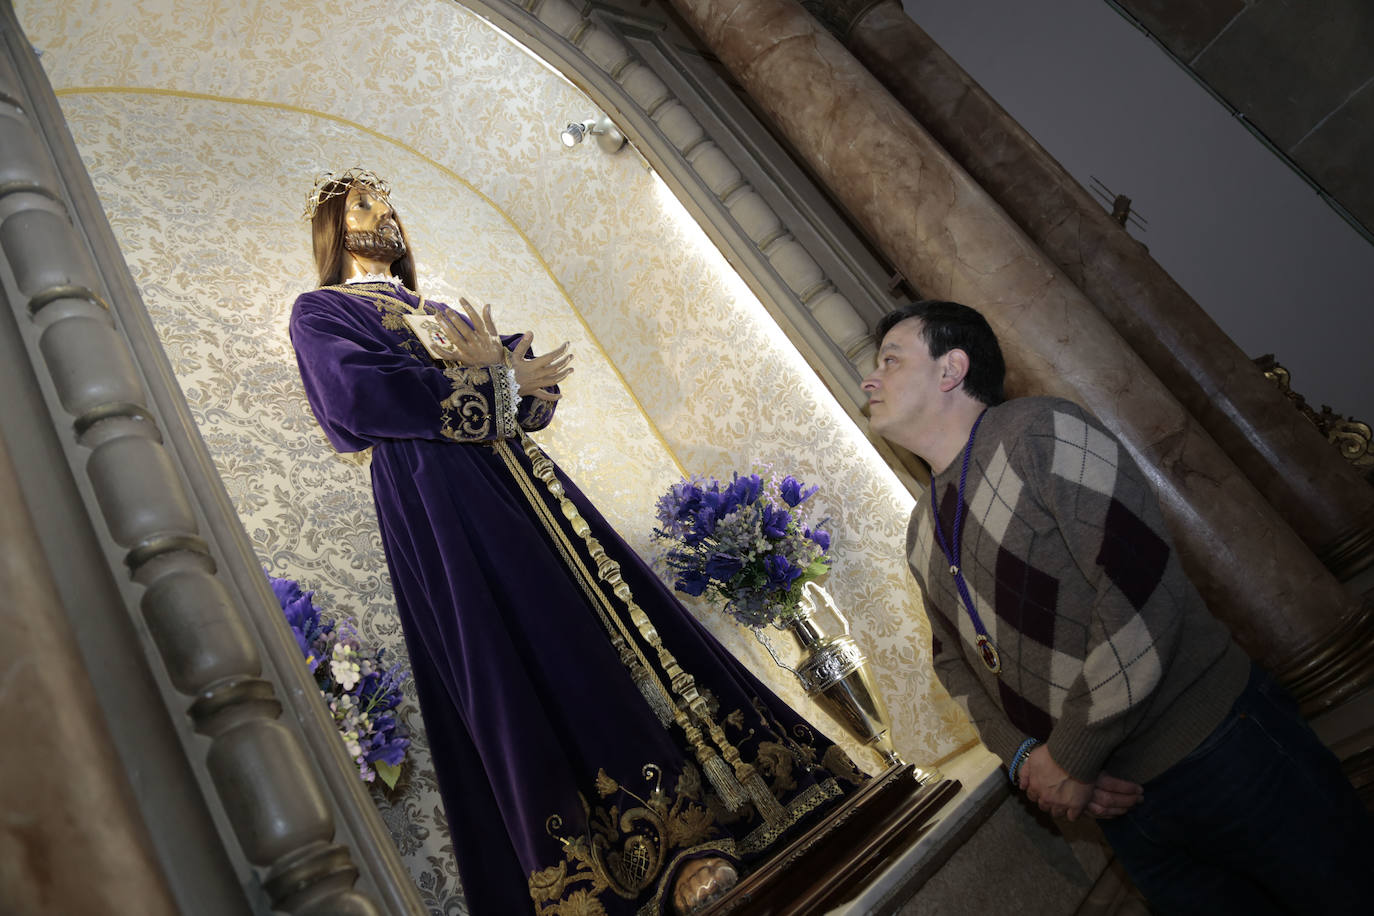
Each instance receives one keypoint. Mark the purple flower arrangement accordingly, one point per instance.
(361, 690)
(746, 543)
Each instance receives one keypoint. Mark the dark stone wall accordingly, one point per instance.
(1300, 71)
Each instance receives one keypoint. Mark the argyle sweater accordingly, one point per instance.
(1108, 653)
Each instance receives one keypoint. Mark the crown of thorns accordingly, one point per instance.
(328, 184)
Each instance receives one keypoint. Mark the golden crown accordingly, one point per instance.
(328, 184)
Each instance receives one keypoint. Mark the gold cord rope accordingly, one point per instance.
(683, 684)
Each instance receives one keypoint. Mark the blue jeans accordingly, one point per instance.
(1257, 819)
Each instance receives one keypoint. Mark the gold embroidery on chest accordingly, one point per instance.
(466, 414)
(391, 309)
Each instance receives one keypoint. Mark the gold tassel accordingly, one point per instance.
(764, 803)
(651, 690)
(727, 774)
(717, 771)
(731, 793)
(652, 695)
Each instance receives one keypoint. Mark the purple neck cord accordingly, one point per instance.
(953, 555)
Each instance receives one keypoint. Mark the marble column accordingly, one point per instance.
(71, 837)
(1302, 475)
(952, 241)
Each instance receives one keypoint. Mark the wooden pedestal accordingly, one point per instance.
(837, 857)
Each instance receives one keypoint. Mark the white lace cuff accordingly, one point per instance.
(507, 396)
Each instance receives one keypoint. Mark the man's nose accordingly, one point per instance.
(869, 384)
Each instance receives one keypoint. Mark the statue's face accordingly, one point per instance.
(370, 227)
(367, 210)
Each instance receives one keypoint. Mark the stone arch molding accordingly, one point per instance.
(592, 47)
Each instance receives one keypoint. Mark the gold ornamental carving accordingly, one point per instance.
(1351, 437)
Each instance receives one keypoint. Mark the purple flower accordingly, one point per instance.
(692, 582)
(362, 697)
(302, 616)
(781, 574)
(792, 493)
(703, 525)
(745, 543)
(687, 497)
(286, 590)
(392, 752)
(723, 566)
(744, 491)
(775, 521)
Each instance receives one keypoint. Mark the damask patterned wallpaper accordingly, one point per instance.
(203, 125)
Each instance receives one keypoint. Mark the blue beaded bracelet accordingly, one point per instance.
(1020, 756)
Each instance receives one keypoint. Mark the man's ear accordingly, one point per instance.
(953, 368)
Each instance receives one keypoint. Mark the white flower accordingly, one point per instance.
(345, 670)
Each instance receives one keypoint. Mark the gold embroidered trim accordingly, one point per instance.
(467, 414)
(759, 839)
(586, 862)
(735, 780)
(391, 308)
(506, 394)
(630, 653)
(616, 858)
(537, 414)
(625, 852)
(765, 834)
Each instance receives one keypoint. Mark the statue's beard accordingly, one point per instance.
(384, 244)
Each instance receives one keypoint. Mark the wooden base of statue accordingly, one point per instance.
(834, 860)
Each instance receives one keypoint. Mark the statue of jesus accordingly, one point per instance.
(596, 750)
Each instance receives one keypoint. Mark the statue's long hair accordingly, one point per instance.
(327, 236)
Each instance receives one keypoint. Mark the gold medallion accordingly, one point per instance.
(989, 653)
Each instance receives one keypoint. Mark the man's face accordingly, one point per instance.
(904, 389)
(370, 225)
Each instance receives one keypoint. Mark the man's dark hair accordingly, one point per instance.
(949, 326)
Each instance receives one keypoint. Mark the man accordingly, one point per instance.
(1065, 626)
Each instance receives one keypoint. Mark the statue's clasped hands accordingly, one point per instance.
(480, 345)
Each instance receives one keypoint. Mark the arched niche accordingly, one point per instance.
(200, 140)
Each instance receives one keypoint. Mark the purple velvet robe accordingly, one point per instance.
(536, 728)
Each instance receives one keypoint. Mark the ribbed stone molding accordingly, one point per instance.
(1301, 474)
(946, 235)
(280, 786)
(787, 277)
